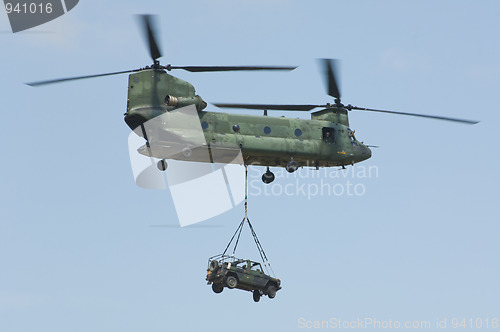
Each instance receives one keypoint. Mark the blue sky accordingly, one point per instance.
(80, 249)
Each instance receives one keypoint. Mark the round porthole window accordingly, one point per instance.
(298, 132)
(267, 130)
(204, 125)
(236, 128)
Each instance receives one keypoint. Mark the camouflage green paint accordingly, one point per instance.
(263, 140)
(249, 275)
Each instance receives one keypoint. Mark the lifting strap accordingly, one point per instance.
(262, 253)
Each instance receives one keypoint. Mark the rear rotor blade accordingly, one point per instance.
(350, 107)
(147, 24)
(332, 86)
(197, 69)
(271, 107)
(59, 80)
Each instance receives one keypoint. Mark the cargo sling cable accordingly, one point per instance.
(267, 264)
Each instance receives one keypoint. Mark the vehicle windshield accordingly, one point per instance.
(242, 265)
(256, 267)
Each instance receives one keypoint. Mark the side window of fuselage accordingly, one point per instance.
(328, 135)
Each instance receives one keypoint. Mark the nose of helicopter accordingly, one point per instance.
(368, 152)
(364, 152)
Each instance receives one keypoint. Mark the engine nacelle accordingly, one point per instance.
(185, 101)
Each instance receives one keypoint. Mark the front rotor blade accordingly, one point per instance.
(271, 107)
(147, 23)
(59, 80)
(332, 86)
(197, 69)
(350, 107)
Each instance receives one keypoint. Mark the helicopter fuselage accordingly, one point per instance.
(323, 141)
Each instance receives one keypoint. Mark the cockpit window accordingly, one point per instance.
(350, 133)
(328, 135)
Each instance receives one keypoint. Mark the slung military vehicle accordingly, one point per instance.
(325, 140)
(227, 271)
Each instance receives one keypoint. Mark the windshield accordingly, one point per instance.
(256, 267)
(242, 265)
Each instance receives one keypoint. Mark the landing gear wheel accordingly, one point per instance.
(231, 282)
(271, 292)
(256, 295)
(292, 166)
(217, 288)
(268, 177)
(162, 165)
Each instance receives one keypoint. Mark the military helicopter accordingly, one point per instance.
(323, 141)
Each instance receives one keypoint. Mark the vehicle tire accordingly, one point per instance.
(231, 282)
(271, 292)
(217, 288)
(214, 265)
(256, 295)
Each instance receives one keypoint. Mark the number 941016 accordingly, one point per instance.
(28, 8)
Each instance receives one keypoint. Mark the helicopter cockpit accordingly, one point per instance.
(361, 151)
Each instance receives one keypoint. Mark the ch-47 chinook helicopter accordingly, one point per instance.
(323, 141)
